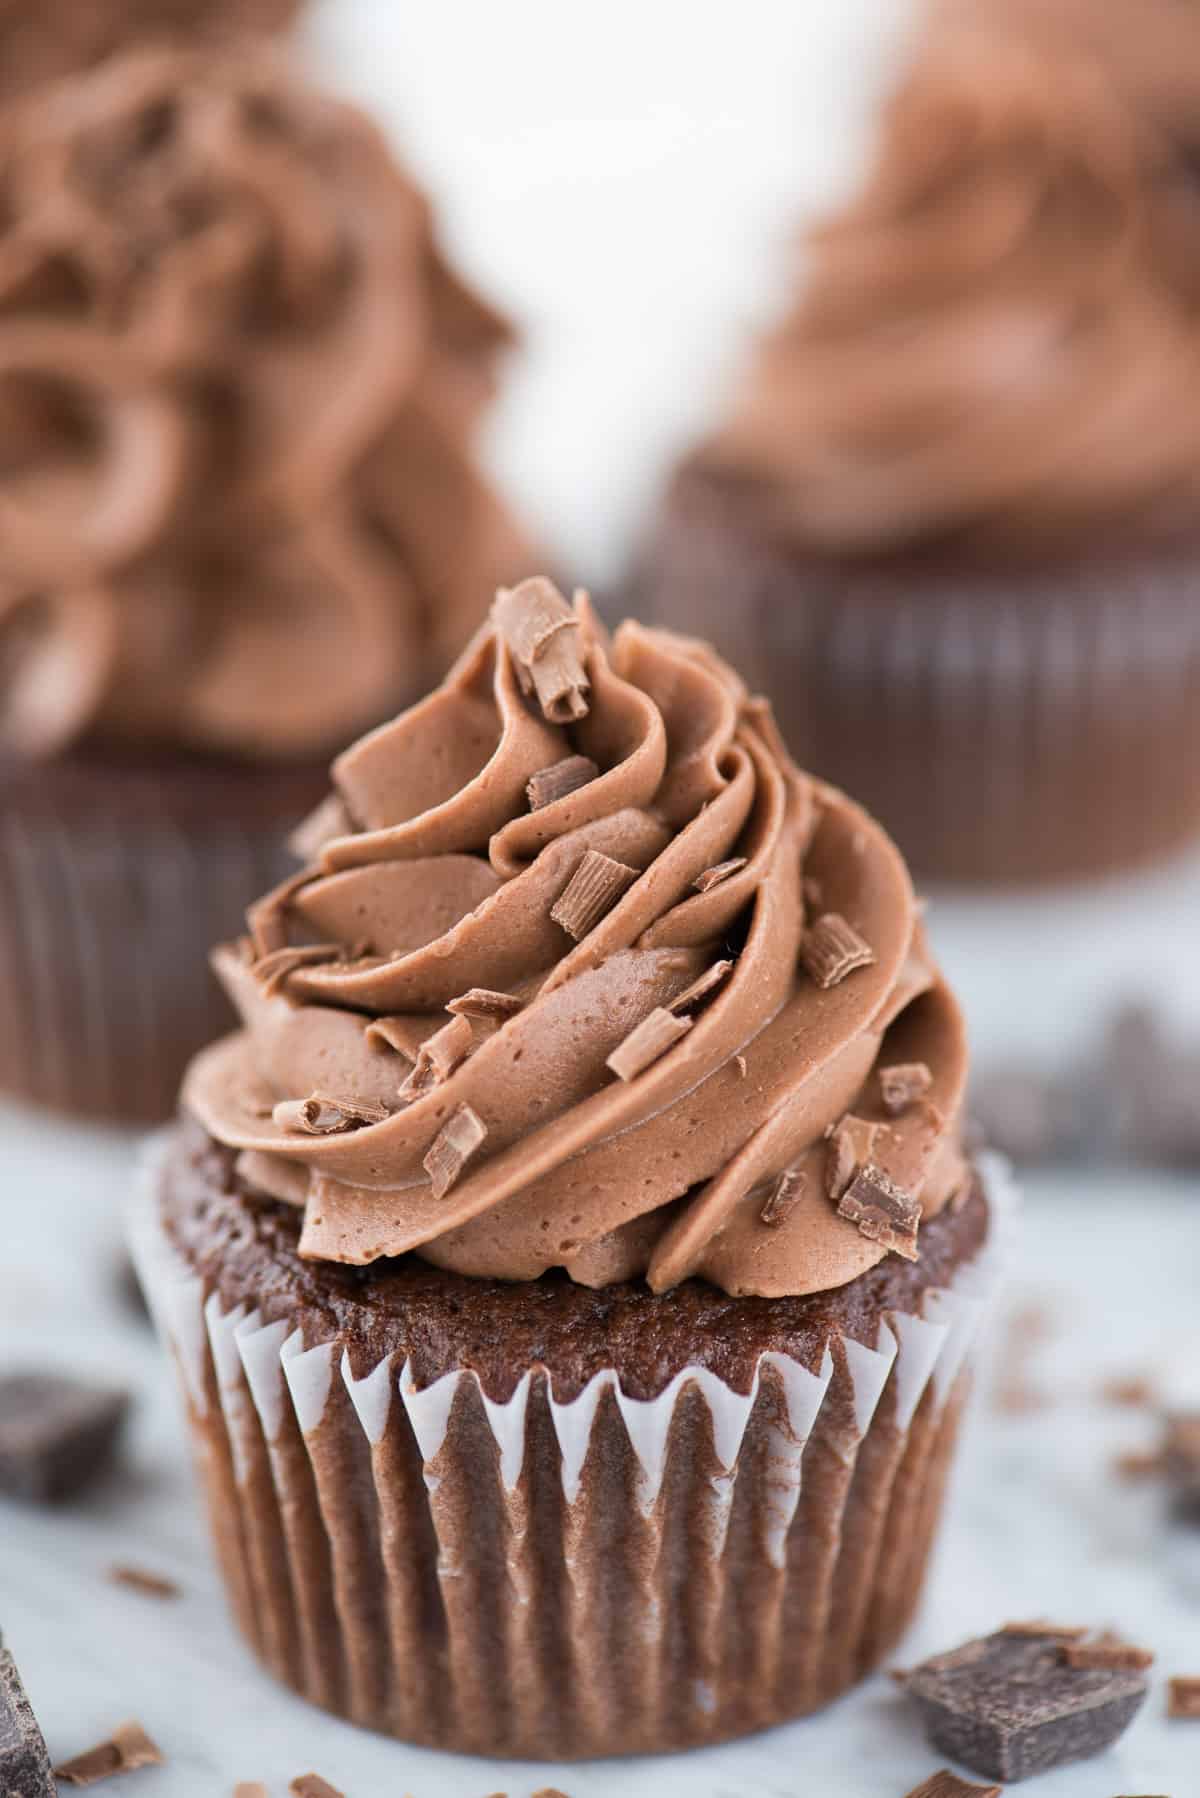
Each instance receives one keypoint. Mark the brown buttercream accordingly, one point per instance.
(1001, 332)
(452, 990)
(239, 386)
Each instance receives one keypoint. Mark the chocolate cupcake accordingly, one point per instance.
(572, 1261)
(240, 522)
(949, 521)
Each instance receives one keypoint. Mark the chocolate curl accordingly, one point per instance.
(320, 1116)
(594, 888)
(451, 1150)
(832, 949)
(128, 1748)
(439, 1056)
(560, 780)
(542, 634)
(645, 1044)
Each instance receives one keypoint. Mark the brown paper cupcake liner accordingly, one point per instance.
(553, 1579)
(114, 883)
(1005, 724)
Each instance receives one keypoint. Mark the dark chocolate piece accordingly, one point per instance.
(830, 949)
(883, 1211)
(24, 1762)
(127, 1749)
(56, 1434)
(1009, 1705)
(948, 1785)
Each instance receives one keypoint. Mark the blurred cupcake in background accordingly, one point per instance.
(240, 521)
(948, 523)
(39, 43)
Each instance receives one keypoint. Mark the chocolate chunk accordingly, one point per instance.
(439, 1056)
(152, 1585)
(560, 780)
(948, 1785)
(883, 1211)
(594, 888)
(831, 949)
(1009, 1706)
(453, 1148)
(56, 1434)
(24, 1762)
(712, 877)
(1183, 1698)
(311, 1785)
(850, 1145)
(903, 1084)
(784, 1196)
(647, 1042)
(542, 633)
(482, 1002)
(708, 982)
(127, 1749)
(319, 1115)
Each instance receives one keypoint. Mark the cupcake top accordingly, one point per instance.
(1000, 333)
(583, 972)
(239, 386)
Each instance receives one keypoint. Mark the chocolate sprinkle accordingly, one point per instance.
(560, 780)
(700, 989)
(24, 1762)
(452, 1148)
(831, 949)
(712, 877)
(542, 633)
(1183, 1698)
(883, 1211)
(57, 1434)
(948, 1785)
(321, 1116)
(127, 1749)
(151, 1585)
(647, 1042)
(784, 1196)
(482, 1002)
(594, 888)
(903, 1084)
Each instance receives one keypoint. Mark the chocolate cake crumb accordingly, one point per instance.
(559, 780)
(151, 1585)
(439, 1056)
(902, 1084)
(319, 1115)
(647, 1042)
(712, 877)
(831, 949)
(542, 633)
(948, 1785)
(883, 1211)
(452, 1148)
(707, 983)
(594, 888)
(24, 1762)
(784, 1196)
(482, 1002)
(1183, 1698)
(127, 1749)
(57, 1434)
(311, 1785)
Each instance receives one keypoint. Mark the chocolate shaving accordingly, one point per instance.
(831, 949)
(594, 888)
(560, 780)
(542, 633)
(1135, 1391)
(1108, 1653)
(1135, 1465)
(482, 1002)
(691, 996)
(784, 1196)
(321, 1116)
(439, 1056)
(1038, 1629)
(1183, 1698)
(948, 1785)
(647, 1042)
(151, 1585)
(127, 1749)
(883, 1211)
(850, 1145)
(452, 1148)
(712, 877)
(739, 1062)
(903, 1084)
(250, 1788)
(311, 1785)
(273, 969)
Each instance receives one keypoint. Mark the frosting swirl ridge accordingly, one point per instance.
(584, 972)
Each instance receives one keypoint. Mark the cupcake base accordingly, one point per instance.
(116, 877)
(541, 1521)
(1006, 721)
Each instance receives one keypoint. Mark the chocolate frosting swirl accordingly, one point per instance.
(239, 386)
(436, 983)
(1000, 334)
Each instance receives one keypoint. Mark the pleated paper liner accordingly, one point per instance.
(562, 1580)
(1005, 725)
(115, 881)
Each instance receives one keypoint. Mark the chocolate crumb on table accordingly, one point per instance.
(151, 1585)
(127, 1749)
(948, 1785)
(250, 1788)
(24, 1761)
(57, 1434)
(830, 949)
(1183, 1698)
(311, 1785)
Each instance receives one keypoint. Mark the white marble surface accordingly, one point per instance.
(1037, 1525)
